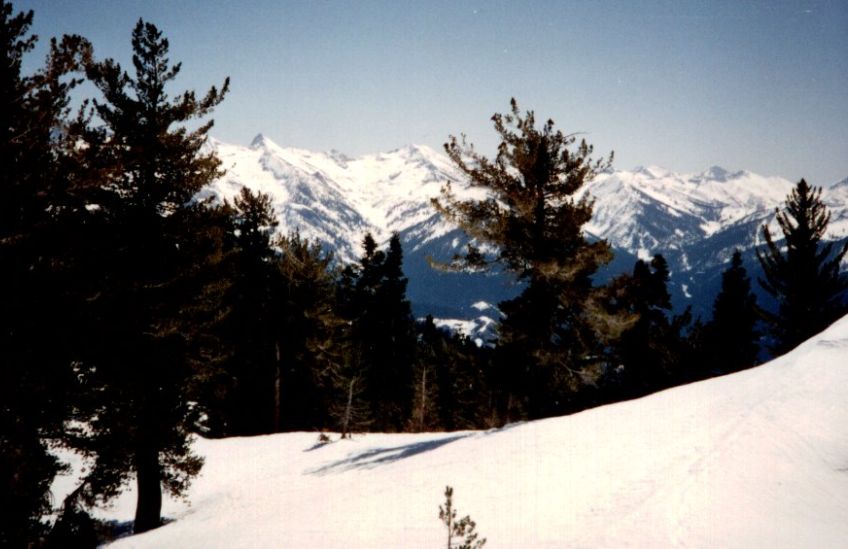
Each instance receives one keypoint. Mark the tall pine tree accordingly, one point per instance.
(731, 337)
(152, 247)
(36, 325)
(249, 329)
(382, 332)
(550, 341)
(309, 333)
(804, 276)
(650, 352)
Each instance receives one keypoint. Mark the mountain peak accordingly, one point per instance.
(716, 173)
(653, 172)
(261, 141)
(841, 184)
(407, 151)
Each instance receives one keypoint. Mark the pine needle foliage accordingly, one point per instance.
(461, 533)
(151, 246)
(803, 273)
(36, 325)
(530, 223)
(732, 337)
(530, 217)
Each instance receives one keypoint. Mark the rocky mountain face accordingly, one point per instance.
(694, 220)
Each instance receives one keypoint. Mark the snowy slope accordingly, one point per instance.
(754, 459)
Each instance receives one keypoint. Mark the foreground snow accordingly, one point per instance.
(755, 459)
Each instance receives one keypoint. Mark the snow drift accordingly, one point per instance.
(754, 459)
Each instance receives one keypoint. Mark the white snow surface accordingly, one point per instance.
(754, 459)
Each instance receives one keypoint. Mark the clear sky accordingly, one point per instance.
(684, 85)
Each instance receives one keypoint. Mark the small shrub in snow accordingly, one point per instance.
(461, 530)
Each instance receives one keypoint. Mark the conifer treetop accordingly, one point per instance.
(530, 216)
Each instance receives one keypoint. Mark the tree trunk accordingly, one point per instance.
(348, 410)
(423, 410)
(149, 476)
(278, 398)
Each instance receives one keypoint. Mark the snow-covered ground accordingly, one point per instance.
(754, 459)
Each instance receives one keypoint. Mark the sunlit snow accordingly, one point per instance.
(754, 459)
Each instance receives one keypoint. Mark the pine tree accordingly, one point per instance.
(550, 341)
(651, 351)
(463, 530)
(36, 326)
(456, 394)
(382, 332)
(805, 278)
(249, 329)
(310, 335)
(152, 247)
(732, 337)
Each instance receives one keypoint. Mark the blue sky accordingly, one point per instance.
(746, 85)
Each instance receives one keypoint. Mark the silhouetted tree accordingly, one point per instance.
(311, 342)
(382, 332)
(805, 278)
(550, 341)
(731, 338)
(650, 353)
(249, 329)
(155, 246)
(36, 322)
(456, 394)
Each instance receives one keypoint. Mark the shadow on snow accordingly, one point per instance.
(376, 457)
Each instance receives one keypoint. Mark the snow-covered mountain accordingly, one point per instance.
(695, 220)
(754, 459)
(336, 199)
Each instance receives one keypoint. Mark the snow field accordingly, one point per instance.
(754, 459)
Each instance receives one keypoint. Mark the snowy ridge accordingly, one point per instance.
(753, 459)
(336, 199)
(695, 220)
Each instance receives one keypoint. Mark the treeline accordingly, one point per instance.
(135, 314)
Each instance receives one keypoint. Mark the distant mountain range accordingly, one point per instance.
(694, 220)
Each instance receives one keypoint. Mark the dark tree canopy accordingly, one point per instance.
(732, 336)
(152, 248)
(247, 329)
(382, 331)
(802, 272)
(650, 352)
(531, 217)
(36, 324)
(531, 224)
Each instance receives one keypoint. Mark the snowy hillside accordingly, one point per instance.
(754, 459)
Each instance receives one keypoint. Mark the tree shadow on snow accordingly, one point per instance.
(376, 457)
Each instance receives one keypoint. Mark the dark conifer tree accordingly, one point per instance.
(731, 338)
(651, 351)
(551, 340)
(310, 336)
(805, 278)
(382, 332)
(456, 394)
(248, 328)
(36, 326)
(154, 245)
